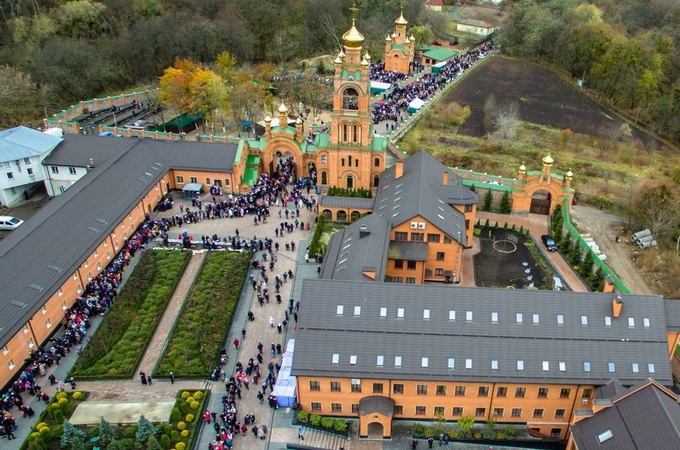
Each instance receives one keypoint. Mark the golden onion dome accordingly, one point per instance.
(548, 160)
(282, 108)
(367, 56)
(394, 35)
(407, 41)
(522, 168)
(342, 54)
(400, 20)
(267, 119)
(570, 174)
(352, 38)
(338, 60)
(388, 38)
(412, 38)
(364, 62)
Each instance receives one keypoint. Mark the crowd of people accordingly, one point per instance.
(395, 104)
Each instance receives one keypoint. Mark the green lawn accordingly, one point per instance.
(199, 332)
(119, 343)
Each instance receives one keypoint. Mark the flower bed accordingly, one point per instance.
(119, 343)
(180, 432)
(47, 432)
(325, 423)
(199, 332)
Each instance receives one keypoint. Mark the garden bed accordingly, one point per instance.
(47, 432)
(199, 332)
(119, 343)
(185, 418)
(328, 424)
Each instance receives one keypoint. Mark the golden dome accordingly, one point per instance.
(407, 41)
(394, 35)
(548, 160)
(338, 60)
(570, 174)
(388, 38)
(282, 108)
(267, 119)
(367, 56)
(522, 168)
(364, 62)
(400, 20)
(352, 38)
(412, 38)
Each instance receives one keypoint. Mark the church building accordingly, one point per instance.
(399, 49)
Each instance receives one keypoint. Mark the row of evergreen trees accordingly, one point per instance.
(348, 192)
(75, 438)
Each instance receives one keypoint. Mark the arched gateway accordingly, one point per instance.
(539, 192)
(375, 417)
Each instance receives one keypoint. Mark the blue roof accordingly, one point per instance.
(22, 142)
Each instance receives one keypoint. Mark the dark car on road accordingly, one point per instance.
(549, 242)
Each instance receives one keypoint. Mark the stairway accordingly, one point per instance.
(322, 440)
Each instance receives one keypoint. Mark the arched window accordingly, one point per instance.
(376, 180)
(355, 133)
(350, 182)
(376, 162)
(324, 178)
(344, 132)
(350, 99)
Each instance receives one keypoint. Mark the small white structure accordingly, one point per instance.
(434, 5)
(475, 26)
(22, 151)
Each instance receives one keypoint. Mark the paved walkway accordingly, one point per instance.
(538, 225)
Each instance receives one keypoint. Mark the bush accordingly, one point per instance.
(303, 416)
(175, 415)
(61, 395)
(77, 395)
(202, 325)
(40, 425)
(130, 432)
(165, 441)
(180, 446)
(477, 435)
(418, 430)
(189, 400)
(327, 422)
(340, 426)
(189, 418)
(181, 426)
(510, 431)
(185, 395)
(184, 433)
(198, 395)
(315, 420)
(194, 405)
(118, 346)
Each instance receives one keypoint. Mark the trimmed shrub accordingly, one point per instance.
(40, 425)
(180, 446)
(315, 420)
(340, 426)
(181, 426)
(303, 416)
(185, 395)
(165, 441)
(61, 395)
(418, 429)
(175, 415)
(194, 405)
(77, 395)
(327, 422)
(198, 395)
(189, 418)
(184, 433)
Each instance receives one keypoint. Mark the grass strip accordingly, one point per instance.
(199, 332)
(119, 343)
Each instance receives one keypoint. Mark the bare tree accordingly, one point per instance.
(506, 121)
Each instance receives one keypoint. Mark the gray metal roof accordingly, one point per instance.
(361, 246)
(76, 150)
(376, 404)
(418, 192)
(346, 202)
(38, 257)
(672, 315)
(21, 142)
(411, 251)
(550, 352)
(646, 418)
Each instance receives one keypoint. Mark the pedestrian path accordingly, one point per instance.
(160, 336)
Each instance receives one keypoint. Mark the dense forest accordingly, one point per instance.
(625, 49)
(56, 52)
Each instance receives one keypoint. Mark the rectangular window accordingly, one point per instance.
(10, 364)
(645, 322)
(43, 310)
(611, 367)
(410, 280)
(543, 392)
(180, 180)
(494, 317)
(336, 358)
(494, 364)
(54, 169)
(468, 316)
(441, 389)
(397, 388)
(398, 263)
(397, 279)
(411, 265)
(562, 366)
(587, 393)
(418, 237)
(584, 320)
(440, 256)
(357, 310)
(397, 361)
(433, 237)
(355, 408)
(316, 406)
(439, 271)
(25, 329)
(193, 180)
(457, 411)
(30, 172)
(480, 412)
(48, 324)
(502, 392)
(586, 366)
(5, 350)
(336, 407)
(336, 386)
(546, 366)
(356, 385)
(421, 410)
(400, 236)
(424, 362)
(400, 313)
(650, 368)
(607, 321)
(468, 363)
(421, 389)
(207, 181)
(483, 391)
(451, 363)
(565, 393)
(498, 412)
(377, 388)
(438, 411)
(460, 391)
(559, 413)
(10, 175)
(560, 319)
(631, 322)
(519, 317)
(380, 360)
(520, 364)
(426, 313)
(447, 240)
(353, 360)
(452, 315)
(538, 412)
(516, 412)
(399, 409)
(72, 171)
(520, 392)
(635, 367)
(226, 182)
(383, 312)
(535, 318)
(314, 386)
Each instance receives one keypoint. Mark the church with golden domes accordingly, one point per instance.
(399, 49)
(347, 152)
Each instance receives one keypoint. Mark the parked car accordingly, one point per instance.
(436, 42)
(9, 223)
(549, 243)
(453, 42)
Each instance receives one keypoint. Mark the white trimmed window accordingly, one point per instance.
(424, 362)
(451, 364)
(336, 358)
(397, 361)
(380, 360)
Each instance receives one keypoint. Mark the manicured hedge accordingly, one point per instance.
(47, 432)
(119, 343)
(184, 420)
(193, 347)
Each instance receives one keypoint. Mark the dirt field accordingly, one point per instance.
(543, 99)
(486, 12)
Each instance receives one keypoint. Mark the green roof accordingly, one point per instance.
(290, 130)
(440, 54)
(379, 143)
(323, 140)
(249, 176)
(181, 121)
(253, 160)
(398, 47)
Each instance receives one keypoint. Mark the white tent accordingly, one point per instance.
(415, 105)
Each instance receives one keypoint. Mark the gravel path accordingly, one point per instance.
(603, 228)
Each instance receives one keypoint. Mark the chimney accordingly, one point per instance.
(617, 306)
(445, 178)
(608, 284)
(398, 169)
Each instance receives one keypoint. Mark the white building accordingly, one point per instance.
(476, 27)
(21, 153)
